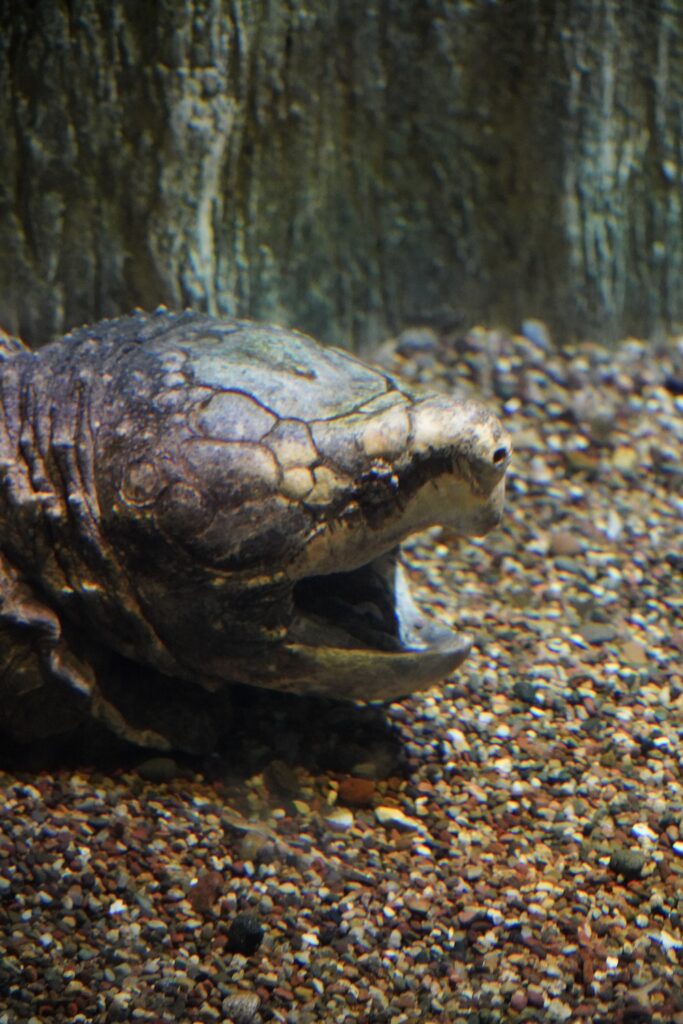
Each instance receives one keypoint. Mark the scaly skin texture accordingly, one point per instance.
(167, 481)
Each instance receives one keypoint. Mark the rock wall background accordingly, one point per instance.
(347, 167)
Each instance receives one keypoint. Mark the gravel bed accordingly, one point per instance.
(507, 848)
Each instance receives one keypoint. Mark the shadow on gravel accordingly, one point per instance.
(317, 734)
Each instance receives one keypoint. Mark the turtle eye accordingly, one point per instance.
(500, 455)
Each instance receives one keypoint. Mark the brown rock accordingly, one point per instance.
(204, 894)
(625, 459)
(535, 996)
(357, 792)
(417, 905)
(518, 1000)
(580, 461)
(566, 543)
(634, 653)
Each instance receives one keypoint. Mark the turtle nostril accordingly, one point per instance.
(500, 455)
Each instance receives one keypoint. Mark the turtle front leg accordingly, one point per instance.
(46, 688)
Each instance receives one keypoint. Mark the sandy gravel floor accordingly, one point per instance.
(506, 848)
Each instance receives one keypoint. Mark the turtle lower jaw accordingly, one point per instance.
(360, 635)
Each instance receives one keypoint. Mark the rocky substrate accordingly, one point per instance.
(508, 848)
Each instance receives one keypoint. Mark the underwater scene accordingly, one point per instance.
(504, 846)
(341, 685)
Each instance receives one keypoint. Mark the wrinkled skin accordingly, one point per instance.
(219, 501)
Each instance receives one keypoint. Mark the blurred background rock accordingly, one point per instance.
(346, 167)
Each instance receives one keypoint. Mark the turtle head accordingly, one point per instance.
(256, 488)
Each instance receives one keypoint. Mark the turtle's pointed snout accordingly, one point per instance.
(464, 427)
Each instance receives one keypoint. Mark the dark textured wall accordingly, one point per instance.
(346, 167)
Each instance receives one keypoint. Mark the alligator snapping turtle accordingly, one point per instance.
(218, 501)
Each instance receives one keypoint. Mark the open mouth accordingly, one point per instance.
(365, 638)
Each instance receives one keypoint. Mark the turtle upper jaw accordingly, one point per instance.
(451, 473)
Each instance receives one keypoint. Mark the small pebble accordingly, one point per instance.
(525, 691)
(357, 792)
(566, 543)
(625, 459)
(518, 1000)
(339, 819)
(395, 818)
(598, 632)
(417, 340)
(204, 893)
(629, 863)
(538, 333)
(245, 934)
(241, 1007)
(634, 653)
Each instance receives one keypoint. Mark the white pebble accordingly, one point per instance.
(457, 739)
(644, 833)
(558, 1011)
(394, 816)
(340, 819)
(666, 940)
